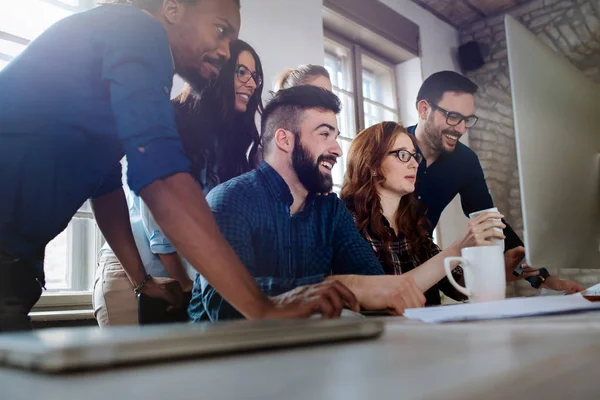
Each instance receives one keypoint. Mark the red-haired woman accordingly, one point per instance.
(378, 186)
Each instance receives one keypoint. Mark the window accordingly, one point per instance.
(71, 257)
(22, 21)
(365, 85)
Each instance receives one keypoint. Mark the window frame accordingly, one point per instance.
(9, 37)
(356, 52)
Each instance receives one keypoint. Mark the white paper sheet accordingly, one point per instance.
(592, 291)
(510, 308)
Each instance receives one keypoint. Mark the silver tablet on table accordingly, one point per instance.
(73, 349)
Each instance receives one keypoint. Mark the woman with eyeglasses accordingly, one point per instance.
(217, 128)
(378, 190)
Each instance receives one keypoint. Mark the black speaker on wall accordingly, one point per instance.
(471, 55)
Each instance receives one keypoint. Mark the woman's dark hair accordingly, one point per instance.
(203, 117)
(363, 172)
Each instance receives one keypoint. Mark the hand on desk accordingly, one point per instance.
(327, 298)
(394, 293)
(554, 283)
(511, 261)
(164, 288)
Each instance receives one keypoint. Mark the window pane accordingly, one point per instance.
(71, 257)
(378, 82)
(56, 262)
(346, 122)
(10, 49)
(338, 61)
(29, 18)
(340, 167)
(375, 114)
(72, 3)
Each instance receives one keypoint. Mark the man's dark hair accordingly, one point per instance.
(287, 106)
(150, 5)
(436, 85)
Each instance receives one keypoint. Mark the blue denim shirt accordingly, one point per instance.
(281, 251)
(93, 87)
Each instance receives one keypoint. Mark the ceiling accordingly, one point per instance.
(461, 13)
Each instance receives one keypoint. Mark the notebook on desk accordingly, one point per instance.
(74, 349)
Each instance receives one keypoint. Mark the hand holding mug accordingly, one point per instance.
(484, 229)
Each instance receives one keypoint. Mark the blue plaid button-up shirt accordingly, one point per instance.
(281, 251)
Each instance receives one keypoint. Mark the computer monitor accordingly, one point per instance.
(557, 130)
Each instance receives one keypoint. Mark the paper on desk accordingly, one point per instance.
(510, 308)
(592, 291)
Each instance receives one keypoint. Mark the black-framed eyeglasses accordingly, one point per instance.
(454, 118)
(405, 155)
(243, 74)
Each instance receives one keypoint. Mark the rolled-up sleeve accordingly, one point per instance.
(159, 244)
(138, 68)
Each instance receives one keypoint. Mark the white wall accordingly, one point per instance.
(284, 33)
(409, 77)
(439, 40)
(439, 43)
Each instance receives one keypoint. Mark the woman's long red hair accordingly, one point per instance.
(359, 192)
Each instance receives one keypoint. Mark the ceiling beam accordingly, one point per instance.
(493, 6)
(436, 13)
(475, 9)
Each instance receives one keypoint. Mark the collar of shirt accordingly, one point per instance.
(170, 49)
(278, 188)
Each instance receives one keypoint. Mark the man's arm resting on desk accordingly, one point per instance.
(385, 292)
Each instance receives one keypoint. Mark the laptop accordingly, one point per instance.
(76, 349)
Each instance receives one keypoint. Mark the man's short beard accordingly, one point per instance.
(195, 80)
(308, 171)
(435, 138)
(432, 137)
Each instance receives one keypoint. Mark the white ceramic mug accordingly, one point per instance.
(497, 242)
(483, 267)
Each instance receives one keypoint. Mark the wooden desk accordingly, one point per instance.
(553, 357)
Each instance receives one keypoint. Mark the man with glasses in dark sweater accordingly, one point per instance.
(445, 105)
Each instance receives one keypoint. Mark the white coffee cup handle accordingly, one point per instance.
(447, 262)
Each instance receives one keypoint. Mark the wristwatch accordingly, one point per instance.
(537, 281)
